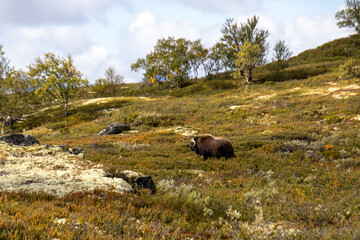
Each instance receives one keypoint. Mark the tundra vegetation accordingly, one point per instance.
(295, 175)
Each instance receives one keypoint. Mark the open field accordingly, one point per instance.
(296, 174)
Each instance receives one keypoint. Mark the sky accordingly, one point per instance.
(103, 33)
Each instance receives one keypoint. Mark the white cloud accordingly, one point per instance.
(223, 6)
(145, 30)
(142, 20)
(307, 32)
(94, 62)
(24, 44)
(94, 55)
(24, 12)
(301, 34)
(70, 39)
(209, 36)
(90, 62)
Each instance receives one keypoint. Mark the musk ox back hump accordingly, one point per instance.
(209, 146)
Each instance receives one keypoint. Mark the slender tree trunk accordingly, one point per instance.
(250, 75)
(2, 127)
(11, 120)
(2, 123)
(65, 109)
(66, 104)
(196, 73)
(247, 78)
(10, 125)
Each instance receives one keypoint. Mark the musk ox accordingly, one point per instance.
(209, 146)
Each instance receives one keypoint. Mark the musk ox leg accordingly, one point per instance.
(228, 152)
(222, 153)
(230, 155)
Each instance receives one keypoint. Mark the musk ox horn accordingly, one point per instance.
(209, 146)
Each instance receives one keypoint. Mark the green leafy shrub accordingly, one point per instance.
(333, 119)
(349, 70)
(292, 73)
(186, 91)
(130, 118)
(56, 125)
(156, 120)
(220, 84)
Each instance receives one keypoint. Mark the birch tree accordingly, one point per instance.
(56, 78)
(14, 98)
(249, 57)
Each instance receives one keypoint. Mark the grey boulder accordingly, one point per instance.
(114, 128)
(20, 139)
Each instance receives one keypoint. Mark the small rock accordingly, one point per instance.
(71, 150)
(146, 182)
(20, 139)
(114, 128)
(129, 176)
(138, 180)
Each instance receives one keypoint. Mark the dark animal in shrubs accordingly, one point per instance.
(208, 146)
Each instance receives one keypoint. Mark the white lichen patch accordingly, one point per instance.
(132, 146)
(281, 230)
(352, 87)
(344, 92)
(60, 221)
(199, 173)
(332, 89)
(266, 97)
(49, 169)
(110, 110)
(235, 107)
(183, 130)
(261, 228)
(344, 95)
(295, 89)
(315, 92)
(96, 101)
(266, 120)
(357, 118)
(109, 99)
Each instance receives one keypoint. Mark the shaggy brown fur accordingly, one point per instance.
(209, 146)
